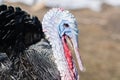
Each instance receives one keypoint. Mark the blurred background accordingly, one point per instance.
(99, 25)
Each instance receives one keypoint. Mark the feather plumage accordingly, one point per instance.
(21, 56)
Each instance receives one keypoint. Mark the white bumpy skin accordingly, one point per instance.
(53, 28)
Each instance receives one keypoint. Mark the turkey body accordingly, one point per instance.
(24, 52)
(35, 63)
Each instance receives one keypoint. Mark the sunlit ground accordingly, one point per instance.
(99, 41)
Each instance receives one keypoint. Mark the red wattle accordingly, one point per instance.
(68, 56)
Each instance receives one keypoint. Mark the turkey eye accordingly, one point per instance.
(66, 25)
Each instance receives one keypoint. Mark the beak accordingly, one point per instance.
(74, 40)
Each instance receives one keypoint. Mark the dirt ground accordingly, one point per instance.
(99, 41)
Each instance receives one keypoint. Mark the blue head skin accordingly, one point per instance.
(70, 30)
(65, 29)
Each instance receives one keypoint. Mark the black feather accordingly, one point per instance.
(18, 31)
(16, 25)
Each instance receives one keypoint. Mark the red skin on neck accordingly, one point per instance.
(68, 57)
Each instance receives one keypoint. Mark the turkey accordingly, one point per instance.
(30, 50)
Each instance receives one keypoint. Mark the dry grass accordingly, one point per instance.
(99, 41)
